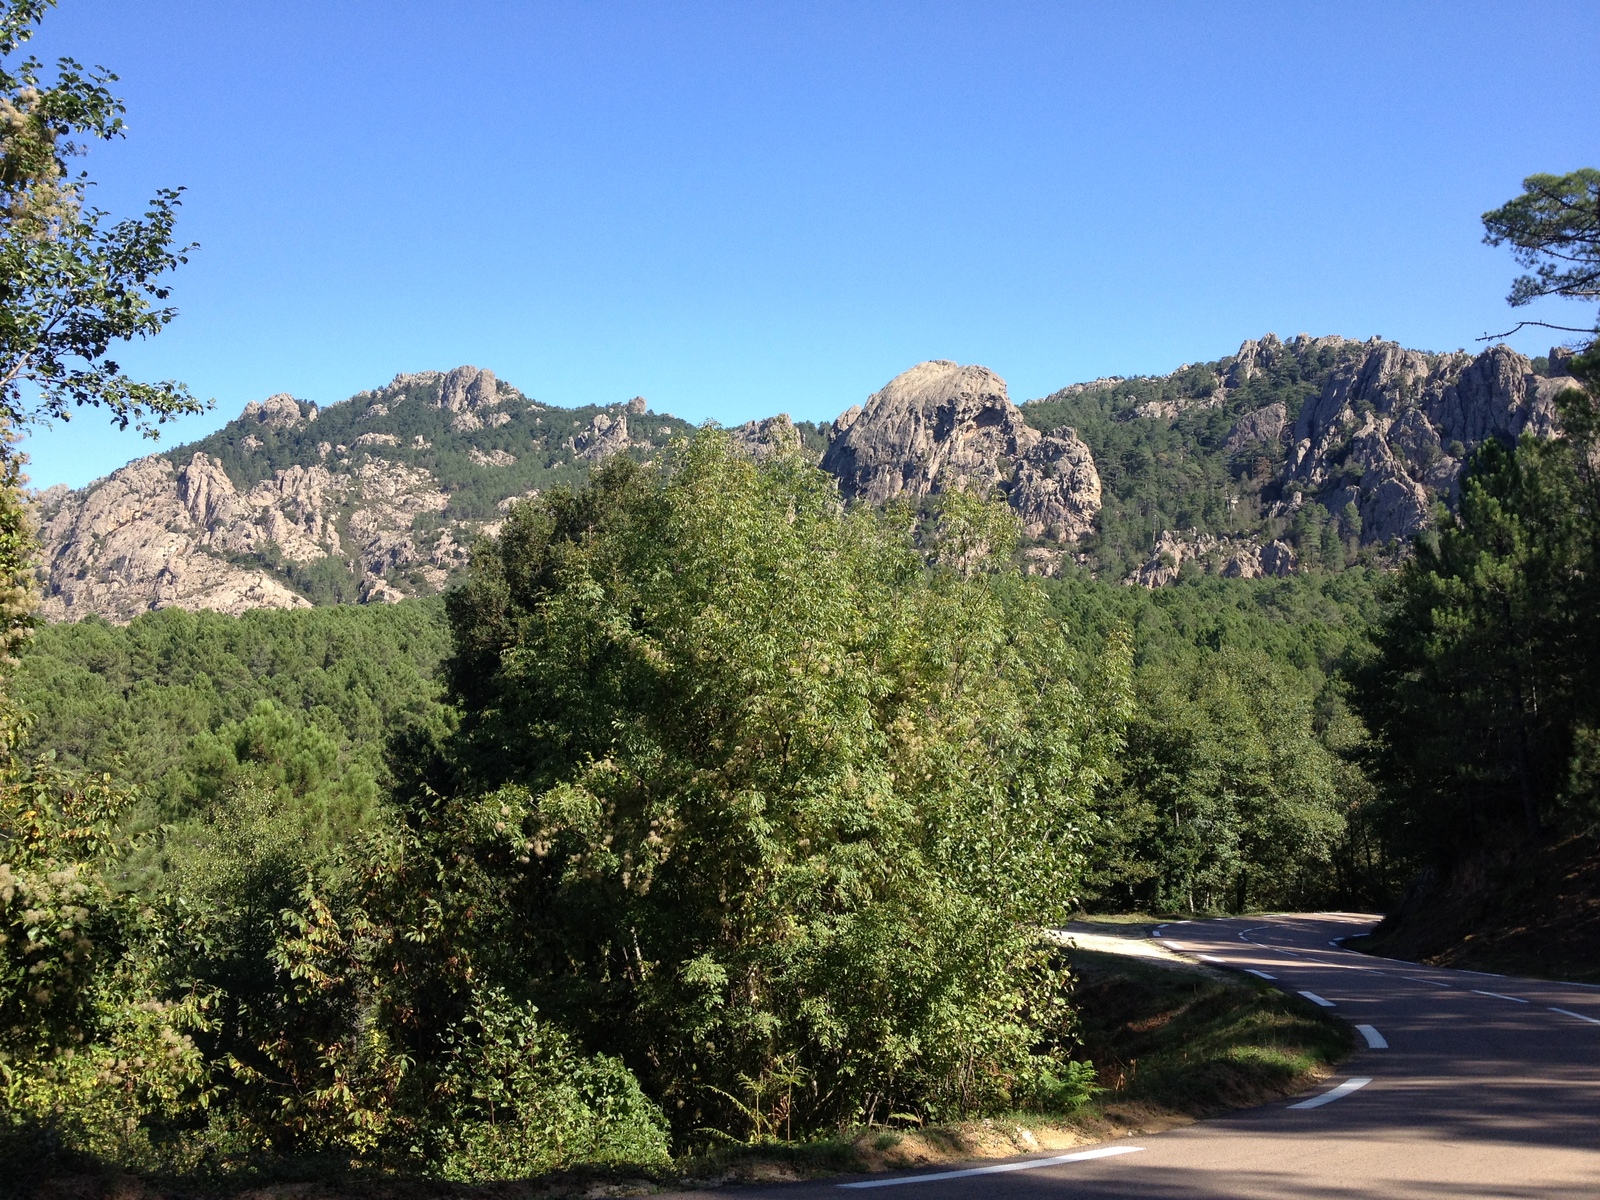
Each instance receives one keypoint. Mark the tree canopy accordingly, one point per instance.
(1554, 229)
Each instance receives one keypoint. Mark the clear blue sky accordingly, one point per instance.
(743, 208)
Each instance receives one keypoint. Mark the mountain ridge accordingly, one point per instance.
(1284, 456)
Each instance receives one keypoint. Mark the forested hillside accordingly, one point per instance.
(1239, 721)
(190, 707)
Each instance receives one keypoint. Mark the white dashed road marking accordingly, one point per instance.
(1316, 999)
(1376, 1040)
(1498, 996)
(1031, 1164)
(1433, 982)
(1263, 974)
(1338, 1093)
(1567, 1012)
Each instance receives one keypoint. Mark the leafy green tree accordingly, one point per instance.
(342, 1016)
(72, 283)
(1227, 798)
(746, 792)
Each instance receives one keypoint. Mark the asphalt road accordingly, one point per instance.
(1476, 1085)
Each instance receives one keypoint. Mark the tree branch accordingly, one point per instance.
(1489, 337)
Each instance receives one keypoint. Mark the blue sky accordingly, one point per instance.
(743, 208)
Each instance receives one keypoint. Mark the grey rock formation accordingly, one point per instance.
(1387, 432)
(1056, 490)
(942, 426)
(1278, 558)
(1230, 557)
(282, 411)
(468, 393)
(1266, 425)
(213, 527)
(606, 435)
(936, 426)
(143, 539)
(1391, 429)
(490, 458)
(766, 437)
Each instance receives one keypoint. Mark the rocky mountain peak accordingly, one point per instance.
(941, 426)
(935, 426)
(281, 411)
(468, 392)
(766, 437)
(1299, 441)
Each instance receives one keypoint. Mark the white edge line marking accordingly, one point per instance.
(1490, 974)
(1211, 958)
(1172, 945)
(1567, 1012)
(1376, 1040)
(1316, 999)
(1498, 995)
(1334, 943)
(1263, 974)
(1434, 982)
(1030, 1165)
(1338, 1093)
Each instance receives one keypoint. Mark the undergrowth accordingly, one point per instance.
(1168, 1046)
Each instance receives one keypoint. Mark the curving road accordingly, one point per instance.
(1472, 1085)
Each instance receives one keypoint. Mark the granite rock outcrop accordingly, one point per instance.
(354, 495)
(941, 426)
(1392, 429)
(382, 496)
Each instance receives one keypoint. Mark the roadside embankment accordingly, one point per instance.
(1528, 909)
(1172, 1041)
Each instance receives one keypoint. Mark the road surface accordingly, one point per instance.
(1471, 1085)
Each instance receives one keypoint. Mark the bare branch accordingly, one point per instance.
(1489, 337)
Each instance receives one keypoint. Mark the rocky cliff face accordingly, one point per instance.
(1390, 431)
(1369, 435)
(941, 426)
